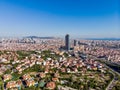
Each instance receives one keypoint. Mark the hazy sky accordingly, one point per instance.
(79, 18)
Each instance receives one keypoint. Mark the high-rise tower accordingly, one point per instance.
(75, 42)
(67, 42)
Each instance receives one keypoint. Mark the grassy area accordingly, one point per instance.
(117, 86)
(1, 84)
(47, 54)
(23, 54)
(85, 81)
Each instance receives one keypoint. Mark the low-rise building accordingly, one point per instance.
(7, 77)
(26, 76)
(41, 75)
(30, 82)
(11, 84)
(51, 85)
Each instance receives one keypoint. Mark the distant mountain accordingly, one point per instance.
(103, 38)
(39, 37)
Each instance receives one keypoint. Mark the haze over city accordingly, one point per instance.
(79, 18)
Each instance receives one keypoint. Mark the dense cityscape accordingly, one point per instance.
(49, 63)
(59, 44)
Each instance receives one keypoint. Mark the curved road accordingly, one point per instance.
(113, 82)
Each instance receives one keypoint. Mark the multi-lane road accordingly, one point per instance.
(115, 73)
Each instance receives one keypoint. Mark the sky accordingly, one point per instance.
(79, 18)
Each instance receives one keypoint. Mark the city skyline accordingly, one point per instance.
(80, 19)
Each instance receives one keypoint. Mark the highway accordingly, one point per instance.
(113, 82)
(112, 70)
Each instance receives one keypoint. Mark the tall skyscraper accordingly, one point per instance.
(67, 42)
(75, 42)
